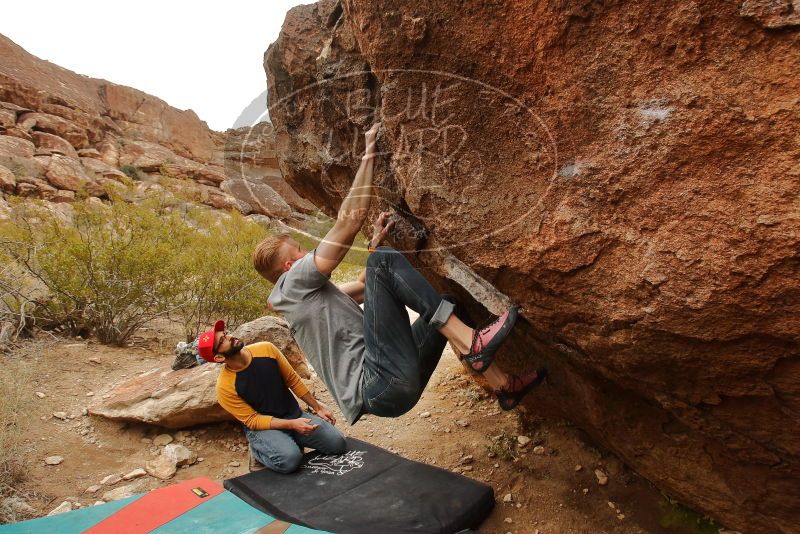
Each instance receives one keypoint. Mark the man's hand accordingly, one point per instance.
(325, 413)
(303, 426)
(370, 136)
(382, 226)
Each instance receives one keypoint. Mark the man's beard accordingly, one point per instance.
(236, 347)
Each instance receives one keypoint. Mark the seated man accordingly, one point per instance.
(375, 361)
(253, 386)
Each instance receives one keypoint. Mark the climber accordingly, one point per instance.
(375, 361)
(253, 386)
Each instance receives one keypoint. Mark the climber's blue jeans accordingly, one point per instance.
(400, 356)
(282, 450)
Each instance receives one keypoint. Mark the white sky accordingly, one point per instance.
(194, 55)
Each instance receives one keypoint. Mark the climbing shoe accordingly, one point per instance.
(488, 338)
(519, 387)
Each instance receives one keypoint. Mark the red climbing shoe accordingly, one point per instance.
(519, 387)
(487, 339)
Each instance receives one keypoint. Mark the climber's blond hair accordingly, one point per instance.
(266, 257)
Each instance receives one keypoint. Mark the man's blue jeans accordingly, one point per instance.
(282, 450)
(400, 357)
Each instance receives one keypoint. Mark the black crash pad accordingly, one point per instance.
(365, 489)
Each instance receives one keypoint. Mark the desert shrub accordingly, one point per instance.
(117, 267)
(110, 272)
(132, 172)
(220, 276)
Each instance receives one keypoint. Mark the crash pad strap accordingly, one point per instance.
(158, 507)
(276, 527)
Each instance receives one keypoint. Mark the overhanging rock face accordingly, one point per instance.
(629, 174)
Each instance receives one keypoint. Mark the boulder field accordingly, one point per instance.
(63, 134)
(628, 173)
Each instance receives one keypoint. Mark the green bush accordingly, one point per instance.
(119, 266)
(132, 172)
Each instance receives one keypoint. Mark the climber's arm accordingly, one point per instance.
(352, 213)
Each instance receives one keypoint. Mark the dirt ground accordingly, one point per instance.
(552, 490)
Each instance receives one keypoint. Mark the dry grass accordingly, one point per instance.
(14, 405)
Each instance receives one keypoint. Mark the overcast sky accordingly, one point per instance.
(195, 55)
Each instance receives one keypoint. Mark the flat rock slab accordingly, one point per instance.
(172, 399)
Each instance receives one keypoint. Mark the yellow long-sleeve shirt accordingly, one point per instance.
(260, 391)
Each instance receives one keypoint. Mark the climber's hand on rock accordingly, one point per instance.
(381, 227)
(370, 137)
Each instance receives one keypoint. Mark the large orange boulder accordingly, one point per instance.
(628, 173)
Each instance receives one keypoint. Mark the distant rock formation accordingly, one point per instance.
(627, 172)
(62, 133)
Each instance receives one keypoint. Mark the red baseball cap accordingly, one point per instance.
(205, 343)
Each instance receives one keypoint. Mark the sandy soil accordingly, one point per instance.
(552, 492)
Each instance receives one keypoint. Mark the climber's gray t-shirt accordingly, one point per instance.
(329, 327)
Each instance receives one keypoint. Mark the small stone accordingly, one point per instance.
(234, 464)
(97, 503)
(611, 505)
(93, 489)
(90, 394)
(53, 460)
(538, 450)
(620, 516)
(519, 505)
(122, 492)
(60, 415)
(578, 468)
(523, 440)
(496, 466)
(508, 520)
(585, 490)
(179, 454)
(136, 473)
(602, 478)
(201, 459)
(94, 360)
(40, 394)
(65, 506)
(110, 480)
(462, 423)
(85, 412)
(146, 441)
(468, 459)
(467, 468)
(491, 454)
(508, 498)
(425, 415)
(162, 439)
(162, 467)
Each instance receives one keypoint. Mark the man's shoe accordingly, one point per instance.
(255, 465)
(519, 387)
(487, 339)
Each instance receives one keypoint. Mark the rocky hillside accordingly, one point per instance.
(62, 133)
(626, 172)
